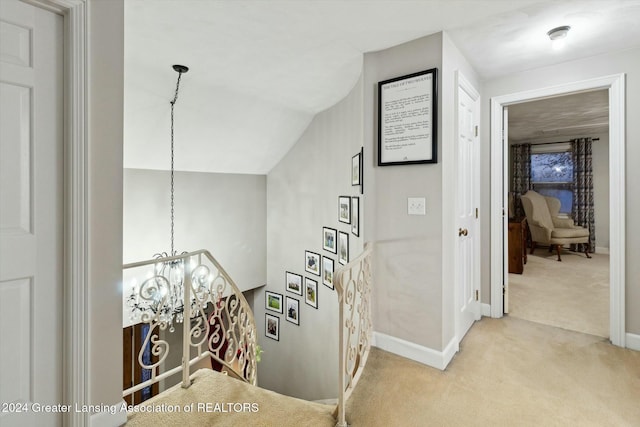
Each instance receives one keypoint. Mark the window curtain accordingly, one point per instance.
(521, 179)
(583, 190)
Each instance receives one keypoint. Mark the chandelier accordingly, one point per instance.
(161, 295)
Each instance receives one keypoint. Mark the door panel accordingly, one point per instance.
(467, 198)
(31, 106)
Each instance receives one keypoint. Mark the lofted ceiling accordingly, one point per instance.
(260, 70)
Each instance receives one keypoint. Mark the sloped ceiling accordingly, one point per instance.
(260, 70)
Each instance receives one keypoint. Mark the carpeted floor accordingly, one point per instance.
(510, 372)
(572, 294)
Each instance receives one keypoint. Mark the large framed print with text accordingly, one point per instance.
(408, 119)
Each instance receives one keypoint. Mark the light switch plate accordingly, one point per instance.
(416, 206)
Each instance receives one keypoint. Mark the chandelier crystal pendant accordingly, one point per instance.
(161, 295)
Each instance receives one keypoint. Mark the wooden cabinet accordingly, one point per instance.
(517, 245)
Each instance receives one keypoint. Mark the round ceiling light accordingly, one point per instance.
(558, 35)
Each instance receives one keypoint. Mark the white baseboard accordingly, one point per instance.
(486, 310)
(435, 359)
(602, 250)
(632, 341)
(110, 418)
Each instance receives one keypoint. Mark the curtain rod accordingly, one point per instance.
(546, 143)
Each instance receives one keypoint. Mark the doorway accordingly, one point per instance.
(499, 185)
(572, 294)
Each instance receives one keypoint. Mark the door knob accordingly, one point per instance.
(462, 231)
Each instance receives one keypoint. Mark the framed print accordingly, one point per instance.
(292, 313)
(293, 283)
(273, 301)
(329, 239)
(312, 262)
(355, 216)
(361, 170)
(344, 209)
(272, 326)
(311, 292)
(327, 272)
(355, 169)
(407, 119)
(343, 248)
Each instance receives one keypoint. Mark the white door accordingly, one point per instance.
(467, 200)
(31, 135)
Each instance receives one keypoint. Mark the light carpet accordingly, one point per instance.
(510, 372)
(572, 294)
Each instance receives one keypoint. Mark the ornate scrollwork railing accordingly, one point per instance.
(218, 320)
(353, 285)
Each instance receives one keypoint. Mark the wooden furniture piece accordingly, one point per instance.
(517, 245)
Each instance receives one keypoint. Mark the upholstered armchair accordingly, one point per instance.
(545, 226)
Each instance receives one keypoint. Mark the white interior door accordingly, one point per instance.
(467, 202)
(31, 136)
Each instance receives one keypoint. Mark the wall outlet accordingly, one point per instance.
(416, 206)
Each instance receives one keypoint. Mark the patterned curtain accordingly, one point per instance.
(583, 190)
(521, 180)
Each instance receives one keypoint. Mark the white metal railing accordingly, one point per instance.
(227, 333)
(353, 285)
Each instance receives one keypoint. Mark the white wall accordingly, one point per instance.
(407, 295)
(106, 65)
(224, 213)
(601, 189)
(614, 63)
(302, 197)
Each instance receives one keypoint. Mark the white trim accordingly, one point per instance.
(425, 355)
(486, 309)
(617, 207)
(113, 416)
(602, 250)
(75, 347)
(633, 341)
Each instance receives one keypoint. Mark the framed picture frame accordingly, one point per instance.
(330, 239)
(311, 292)
(273, 301)
(361, 170)
(292, 310)
(272, 326)
(344, 209)
(328, 268)
(408, 119)
(343, 248)
(293, 282)
(356, 168)
(355, 216)
(312, 262)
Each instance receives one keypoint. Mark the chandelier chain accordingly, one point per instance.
(175, 98)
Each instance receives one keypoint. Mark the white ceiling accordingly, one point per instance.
(558, 119)
(260, 70)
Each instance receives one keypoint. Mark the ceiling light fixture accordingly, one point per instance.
(161, 294)
(557, 36)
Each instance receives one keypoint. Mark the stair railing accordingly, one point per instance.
(218, 320)
(353, 285)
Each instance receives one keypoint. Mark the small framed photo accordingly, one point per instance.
(355, 216)
(361, 170)
(329, 239)
(293, 310)
(356, 166)
(312, 262)
(272, 326)
(344, 209)
(273, 301)
(293, 283)
(343, 248)
(311, 292)
(327, 272)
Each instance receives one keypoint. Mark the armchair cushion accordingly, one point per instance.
(569, 233)
(563, 222)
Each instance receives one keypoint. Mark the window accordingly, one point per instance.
(552, 175)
